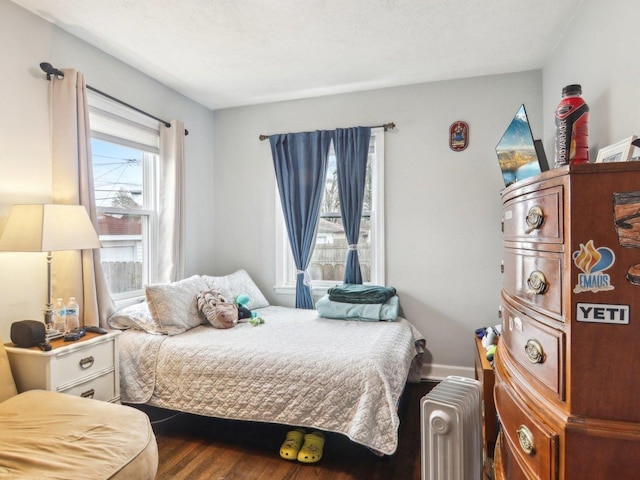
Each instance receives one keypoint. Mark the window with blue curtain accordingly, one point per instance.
(327, 263)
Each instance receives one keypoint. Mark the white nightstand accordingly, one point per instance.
(86, 368)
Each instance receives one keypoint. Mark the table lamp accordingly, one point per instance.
(48, 228)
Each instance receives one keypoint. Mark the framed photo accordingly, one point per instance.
(618, 152)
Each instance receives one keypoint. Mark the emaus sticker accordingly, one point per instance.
(593, 262)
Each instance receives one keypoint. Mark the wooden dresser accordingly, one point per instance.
(567, 368)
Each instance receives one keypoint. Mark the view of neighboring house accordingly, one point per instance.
(121, 253)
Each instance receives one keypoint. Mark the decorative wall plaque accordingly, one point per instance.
(458, 136)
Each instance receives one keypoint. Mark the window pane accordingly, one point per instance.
(117, 175)
(122, 253)
(330, 252)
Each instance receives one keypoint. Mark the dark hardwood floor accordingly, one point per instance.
(194, 447)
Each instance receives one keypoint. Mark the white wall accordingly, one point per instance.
(443, 208)
(25, 166)
(599, 51)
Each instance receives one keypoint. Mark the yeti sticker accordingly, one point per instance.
(593, 262)
(602, 313)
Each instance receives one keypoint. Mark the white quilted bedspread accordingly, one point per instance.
(296, 369)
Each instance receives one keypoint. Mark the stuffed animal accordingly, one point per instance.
(215, 307)
(241, 302)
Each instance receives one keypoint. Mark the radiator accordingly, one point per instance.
(451, 419)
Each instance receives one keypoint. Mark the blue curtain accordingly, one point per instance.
(352, 150)
(300, 161)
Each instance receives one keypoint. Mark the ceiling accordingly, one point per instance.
(225, 53)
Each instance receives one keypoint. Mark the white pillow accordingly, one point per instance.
(174, 305)
(235, 284)
(135, 316)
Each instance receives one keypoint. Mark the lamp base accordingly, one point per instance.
(48, 319)
(53, 334)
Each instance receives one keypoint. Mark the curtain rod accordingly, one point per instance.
(386, 127)
(51, 70)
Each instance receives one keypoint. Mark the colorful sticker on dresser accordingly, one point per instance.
(593, 262)
(626, 212)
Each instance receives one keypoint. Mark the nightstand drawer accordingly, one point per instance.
(78, 364)
(98, 388)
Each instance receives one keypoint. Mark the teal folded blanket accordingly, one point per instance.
(357, 293)
(369, 312)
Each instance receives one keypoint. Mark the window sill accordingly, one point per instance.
(318, 291)
(125, 302)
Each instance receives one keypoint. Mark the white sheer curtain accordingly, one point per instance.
(171, 216)
(77, 274)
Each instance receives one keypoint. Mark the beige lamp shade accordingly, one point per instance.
(47, 228)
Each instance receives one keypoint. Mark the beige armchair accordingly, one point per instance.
(52, 435)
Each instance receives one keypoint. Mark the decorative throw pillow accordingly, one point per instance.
(236, 284)
(174, 305)
(135, 316)
(215, 307)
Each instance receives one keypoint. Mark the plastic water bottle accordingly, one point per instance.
(572, 128)
(60, 317)
(72, 314)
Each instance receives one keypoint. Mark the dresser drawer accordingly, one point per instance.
(531, 445)
(508, 466)
(71, 367)
(534, 217)
(536, 348)
(99, 388)
(536, 279)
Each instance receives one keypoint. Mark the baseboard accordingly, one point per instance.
(438, 372)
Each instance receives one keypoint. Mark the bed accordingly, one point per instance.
(296, 368)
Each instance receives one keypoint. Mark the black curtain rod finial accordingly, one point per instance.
(51, 70)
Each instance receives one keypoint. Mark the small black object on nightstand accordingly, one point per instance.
(94, 329)
(75, 334)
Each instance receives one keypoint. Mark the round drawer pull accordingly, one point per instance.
(534, 351)
(534, 219)
(86, 362)
(525, 437)
(537, 283)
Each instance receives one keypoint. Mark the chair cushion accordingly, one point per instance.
(7, 385)
(59, 436)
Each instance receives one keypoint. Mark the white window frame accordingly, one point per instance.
(149, 231)
(118, 124)
(285, 266)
